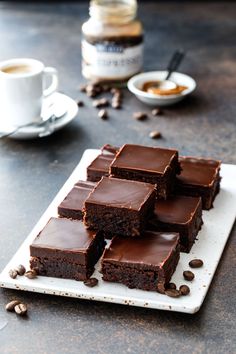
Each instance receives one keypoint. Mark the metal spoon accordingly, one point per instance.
(44, 121)
(174, 63)
(50, 122)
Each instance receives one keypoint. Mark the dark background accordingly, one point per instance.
(32, 172)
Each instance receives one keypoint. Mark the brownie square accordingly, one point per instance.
(119, 207)
(178, 214)
(199, 178)
(66, 249)
(147, 164)
(100, 165)
(148, 263)
(72, 205)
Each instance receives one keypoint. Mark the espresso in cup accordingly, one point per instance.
(17, 69)
(22, 83)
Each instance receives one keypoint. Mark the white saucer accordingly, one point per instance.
(136, 82)
(56, 99)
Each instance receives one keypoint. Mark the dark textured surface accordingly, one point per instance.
(31, 173)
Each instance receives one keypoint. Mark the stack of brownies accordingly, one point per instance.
(147, 200)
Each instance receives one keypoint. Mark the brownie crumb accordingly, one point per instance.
(91, 282)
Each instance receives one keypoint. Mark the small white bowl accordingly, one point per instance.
(136, 82)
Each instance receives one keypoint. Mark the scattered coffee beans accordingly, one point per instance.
(184, 290)
(102, 102)
(171, 286)
(188, 275)
(196, 263)
(157, 112)
(13, 273)
(31, 274)
(11, 305)
(155, 134)
(20, 269)
(140, 115)
(20, 309)
(103, 114)
(91, 282)
(172, 293)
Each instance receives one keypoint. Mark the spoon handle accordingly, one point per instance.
(174, 62)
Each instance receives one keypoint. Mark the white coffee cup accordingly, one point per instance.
(22, 89)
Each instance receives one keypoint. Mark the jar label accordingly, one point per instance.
(109, 60)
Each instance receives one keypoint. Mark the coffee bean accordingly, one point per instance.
(188, 275)
(91, 282)
(116, 104)
(171, 286)
(140, 115)
(20, 269)
(184, 290)
(11, 305)
(83, 88)
(103, 114)
(103, 102)
(157, 112)
(172, 293)
(116, 91)
(80, 103)
(13, 273)
(155, 134)
(31, 274)
(196, 263)
(21, 309)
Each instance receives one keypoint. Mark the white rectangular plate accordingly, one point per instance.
(209, 247)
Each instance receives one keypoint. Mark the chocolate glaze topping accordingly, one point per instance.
(153, 248)
(198, 171)
(121, 193)
(176, 209)
(102, 163)
(77, 196)
(64, 234)
(150, 159)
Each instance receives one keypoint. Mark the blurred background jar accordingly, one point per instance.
(112, 45)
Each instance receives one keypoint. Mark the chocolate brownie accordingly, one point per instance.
(199, 178)
(148, 263)
(154, 165)
(72, 205)
(66, 249)
(179, 214)
(119, 207)
(100, 165)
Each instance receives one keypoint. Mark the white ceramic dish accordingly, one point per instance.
(209, 247)
(136, 82)
(56, 99)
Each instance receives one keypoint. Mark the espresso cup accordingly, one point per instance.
(22, 89)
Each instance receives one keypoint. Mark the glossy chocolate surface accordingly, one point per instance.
(144, 158)
(176, 209)
(121, 193)
(198, 171)
(77, 196)
(64, 234)
(102, 162)
(153, 248)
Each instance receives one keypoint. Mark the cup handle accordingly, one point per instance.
(49, 71)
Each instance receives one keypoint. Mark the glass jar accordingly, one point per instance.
(112, 45)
